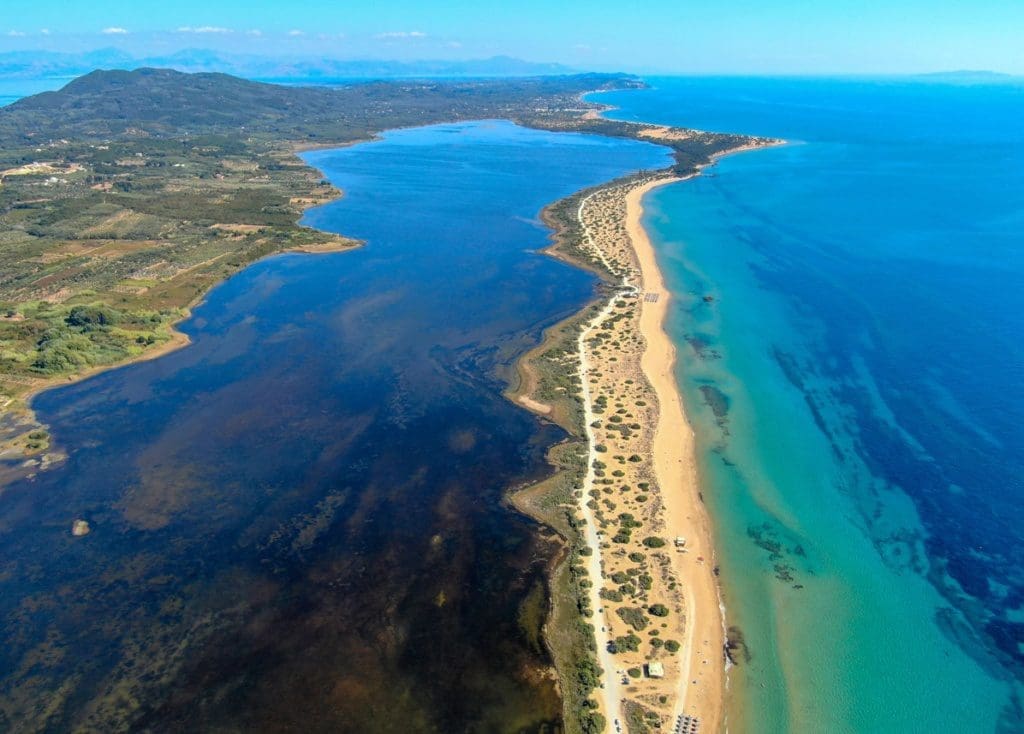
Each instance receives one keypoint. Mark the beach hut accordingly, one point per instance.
(655, 670)
(680, 541)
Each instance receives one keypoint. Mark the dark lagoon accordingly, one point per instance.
(298, 520)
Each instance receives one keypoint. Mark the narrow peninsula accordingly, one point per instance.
(642, 568)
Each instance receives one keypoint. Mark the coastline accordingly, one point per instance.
(694, 680)
(675, 463)
(18, 406)
(700, 681)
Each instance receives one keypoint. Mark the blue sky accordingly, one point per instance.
(699, 36)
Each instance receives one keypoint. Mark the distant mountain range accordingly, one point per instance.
(41, 64)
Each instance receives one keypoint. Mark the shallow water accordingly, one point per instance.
(299, 519)
(856, 385)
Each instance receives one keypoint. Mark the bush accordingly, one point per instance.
(637, 557)
(658, 610)
(591, 722)
(610, 594)
(671, 645)
(630, 643)
(90, 316)
(634, 617)
(652, 541)
(588, 673)
(634, 672)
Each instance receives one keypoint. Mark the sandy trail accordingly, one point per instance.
(610, 696)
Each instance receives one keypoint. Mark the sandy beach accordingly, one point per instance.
(702, 687)
(655, 603)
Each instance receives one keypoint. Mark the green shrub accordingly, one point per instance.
(610, 594)
(630, 643)
(658, 610)
(91, 316)
(591, 722)
(634, 617)
(652, 541)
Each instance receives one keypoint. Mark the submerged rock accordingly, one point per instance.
(80, 528)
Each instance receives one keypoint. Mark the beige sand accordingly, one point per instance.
(702, 687)
(647, 472)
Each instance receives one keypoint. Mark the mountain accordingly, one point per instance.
(37, 64)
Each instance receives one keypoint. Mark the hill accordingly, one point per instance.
(163, 103)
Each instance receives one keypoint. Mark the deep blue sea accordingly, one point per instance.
(857, 385)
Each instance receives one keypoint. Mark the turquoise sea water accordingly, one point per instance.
(856, 385)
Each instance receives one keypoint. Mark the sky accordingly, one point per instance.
(681, 36)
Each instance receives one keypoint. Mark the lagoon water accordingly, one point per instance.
(857, 385)
(298, 520)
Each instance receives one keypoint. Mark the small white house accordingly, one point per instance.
(680, 541)
(655, 670)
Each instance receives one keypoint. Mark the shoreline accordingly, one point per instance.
(19, 406)
(675, 462)
(701, 681)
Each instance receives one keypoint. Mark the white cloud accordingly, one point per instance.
(254, 32)
(45, 31)
(204, 29)
(294, 33)
(114, 31)
(15, 34)
(453, 44)
(392, 35)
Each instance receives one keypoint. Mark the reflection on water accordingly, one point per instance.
(298, 520)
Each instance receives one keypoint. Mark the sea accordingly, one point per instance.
(849, 314)
(301, 513)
